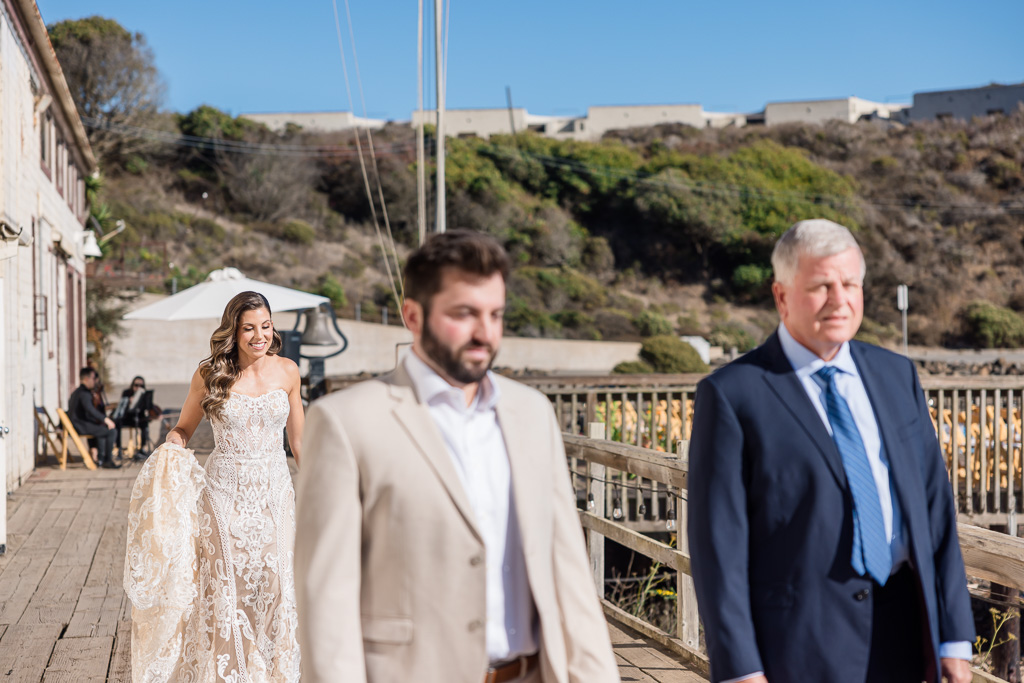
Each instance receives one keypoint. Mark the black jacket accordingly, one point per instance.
(81, 409)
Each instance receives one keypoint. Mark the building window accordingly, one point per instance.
(45, 138)
(59, 166)
(944, 116)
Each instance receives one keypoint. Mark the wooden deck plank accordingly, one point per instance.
(56, 596)
(637, 655)
(79, 660)
(19, 581)
(25, 651)
(24, 520)
(121, 660)
(97, 612)
(108, 564)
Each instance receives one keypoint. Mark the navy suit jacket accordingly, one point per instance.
(770, 520)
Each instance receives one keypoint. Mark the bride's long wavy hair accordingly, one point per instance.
(221, 370)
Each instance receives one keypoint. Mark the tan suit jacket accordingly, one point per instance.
(389, 563)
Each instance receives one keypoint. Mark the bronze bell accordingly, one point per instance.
(318, 331)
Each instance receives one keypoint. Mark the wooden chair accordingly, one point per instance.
(71, 434)
(46, 431)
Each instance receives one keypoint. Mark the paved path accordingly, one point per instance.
(63, 613)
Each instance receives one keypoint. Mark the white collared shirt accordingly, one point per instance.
(476, 445)
(851, 387)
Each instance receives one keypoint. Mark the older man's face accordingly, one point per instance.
(824, 305)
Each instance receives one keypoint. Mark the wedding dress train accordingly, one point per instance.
(209, 562)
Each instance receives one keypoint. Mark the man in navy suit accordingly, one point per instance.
(821, 520)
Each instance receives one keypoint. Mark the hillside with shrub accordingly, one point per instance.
(650, 231)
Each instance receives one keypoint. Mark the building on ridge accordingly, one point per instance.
(965, 103)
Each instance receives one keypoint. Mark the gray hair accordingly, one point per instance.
(816, 238)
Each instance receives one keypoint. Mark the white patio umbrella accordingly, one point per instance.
(208, 299)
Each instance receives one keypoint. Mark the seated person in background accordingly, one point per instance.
(134, 411)
(88, 419)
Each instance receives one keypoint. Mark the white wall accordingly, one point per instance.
(168, 353)
(36, 368)
(813, 111)
(848, 109)
(480, 122)
(602, 119)
(327, 121)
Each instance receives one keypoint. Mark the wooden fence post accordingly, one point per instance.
(687, 618)
(596, 477)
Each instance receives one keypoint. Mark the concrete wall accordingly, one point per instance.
(602, 119)
(598, 121)
(963, 104)
(849, 109)
(326, 121)
(42, 326)
(480, 122)
(816, 111)
(168, 353)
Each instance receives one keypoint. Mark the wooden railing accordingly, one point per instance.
(620, 484)
(978, 422)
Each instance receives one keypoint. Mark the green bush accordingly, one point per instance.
(688, 324)
(526, 321)
(990, 326)
(332, 289)
(728, 335)
(298, 232)
(667, 353)
(651, 324)
(632, 367)
(751, 278)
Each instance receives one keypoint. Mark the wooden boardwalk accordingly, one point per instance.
(64, 615)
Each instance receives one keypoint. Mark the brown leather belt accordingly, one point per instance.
(510, 671)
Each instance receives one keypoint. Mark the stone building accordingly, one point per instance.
(44, 160)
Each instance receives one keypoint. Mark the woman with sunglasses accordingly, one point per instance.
(134, 413)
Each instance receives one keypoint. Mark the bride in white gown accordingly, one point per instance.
(209, 562)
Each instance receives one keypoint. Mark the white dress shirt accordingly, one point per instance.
(475, 442)
(851, 387)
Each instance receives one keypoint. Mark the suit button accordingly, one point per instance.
(475, 625)
(476, 560)
(861, 595)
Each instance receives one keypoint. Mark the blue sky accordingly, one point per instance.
(561, 56)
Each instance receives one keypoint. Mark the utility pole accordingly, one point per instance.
(511, 117)
(421, 157)
(439, 58)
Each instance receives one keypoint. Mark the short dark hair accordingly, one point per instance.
(463, 250)
(86, 372)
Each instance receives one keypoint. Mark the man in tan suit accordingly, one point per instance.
(438, 540)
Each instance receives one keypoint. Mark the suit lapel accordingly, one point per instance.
(415, 419)
(522, 451)
(783, 380)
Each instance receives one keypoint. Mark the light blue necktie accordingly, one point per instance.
(871, 552)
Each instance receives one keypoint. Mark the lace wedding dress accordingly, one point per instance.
(209, 562)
